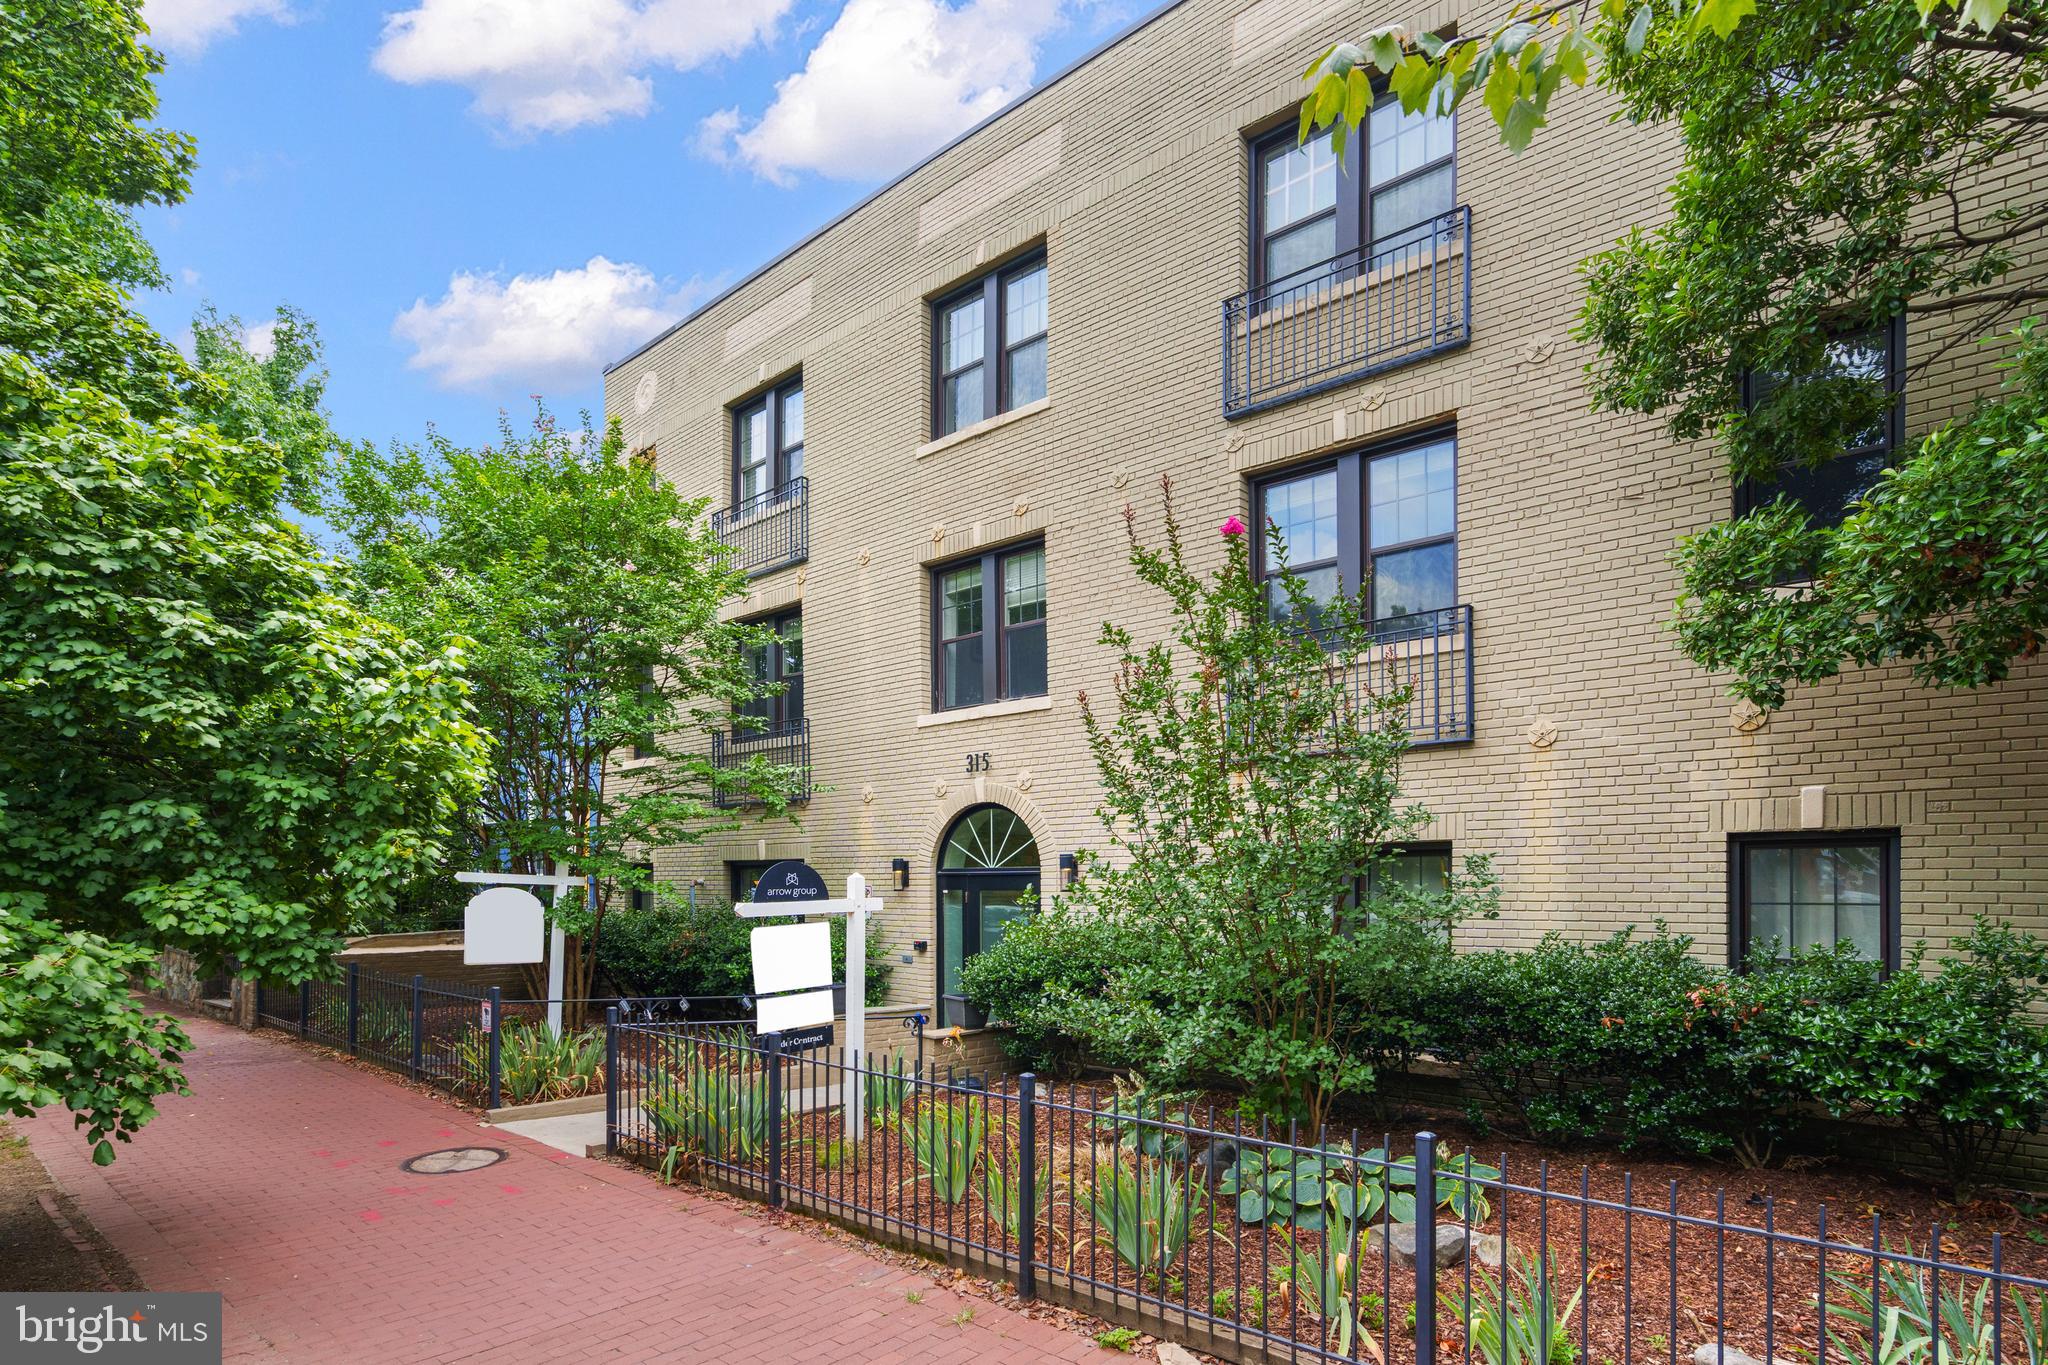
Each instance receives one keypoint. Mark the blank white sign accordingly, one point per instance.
(502, 925)
(792, 957)
(780, 1013)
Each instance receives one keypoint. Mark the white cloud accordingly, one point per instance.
(186, 27)
(540, 329)
(888, 82)
(548, 65)
(261, 340)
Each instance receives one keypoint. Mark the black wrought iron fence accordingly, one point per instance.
(1390, 302)
(770, 529)
(1427, 655)
(432, 1031)
(1256, 1243)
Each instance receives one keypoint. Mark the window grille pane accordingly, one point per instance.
(1024, 305)
(1024, 587)
(1300, 181)
(793, 418)
(1304, 513)
(1402, 142)
(960, 601)
(960, 334)
(1413, 495)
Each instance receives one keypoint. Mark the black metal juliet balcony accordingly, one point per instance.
(768, 531)
(1392, 302)
(784, 746)
(1430, 654)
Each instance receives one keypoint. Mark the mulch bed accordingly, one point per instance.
(1753, 1292)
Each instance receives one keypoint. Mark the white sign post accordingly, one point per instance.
(792, 958)
(500, 926)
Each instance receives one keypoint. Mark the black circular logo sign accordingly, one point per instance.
(789, 882)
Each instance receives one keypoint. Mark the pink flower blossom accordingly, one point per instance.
(1232, 527)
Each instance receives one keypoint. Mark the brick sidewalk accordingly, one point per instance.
(277, 1182)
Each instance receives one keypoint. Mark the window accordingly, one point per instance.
(989, 347)
(1815, 890)
(779, 661)
(1827, 490)
(988, 628)
(642, 899)
(1387, 518)
(1423, 869)
(1309, 205)
(768, 443)
(741, 878)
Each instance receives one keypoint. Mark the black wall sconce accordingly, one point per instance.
(1070, 871)
(899, 872)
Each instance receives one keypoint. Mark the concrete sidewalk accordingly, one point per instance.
(278, 1182)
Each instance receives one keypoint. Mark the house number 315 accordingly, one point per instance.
(978, 763)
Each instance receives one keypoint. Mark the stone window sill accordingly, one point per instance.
(983, 427)
(1014, 707)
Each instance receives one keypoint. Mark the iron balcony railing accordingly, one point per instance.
(782, 746)
(768, 531)
(1429, 655)
(1391, 302)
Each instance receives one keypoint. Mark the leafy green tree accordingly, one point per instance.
(593, 591)
(203, 744)
(1250, 772)
(267, 384)
(1842, 168)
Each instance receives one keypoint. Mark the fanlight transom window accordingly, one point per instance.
(989, 838)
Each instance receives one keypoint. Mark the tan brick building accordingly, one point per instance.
(1417, 406)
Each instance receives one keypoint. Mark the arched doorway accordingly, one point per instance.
(987, 863)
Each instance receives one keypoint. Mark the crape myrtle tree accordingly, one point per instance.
(203, 743)
(1841, 170)
(592, 591)
(1250, 772)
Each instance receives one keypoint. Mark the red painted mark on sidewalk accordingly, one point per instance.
(511, 1189)
(371, 1216)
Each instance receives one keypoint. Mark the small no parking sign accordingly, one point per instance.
(486, 1024)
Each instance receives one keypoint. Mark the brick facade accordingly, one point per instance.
(1607, 772)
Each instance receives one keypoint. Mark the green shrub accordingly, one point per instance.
(674, 948)
(1956, 1055)
(1545, 1034)
(1062, 983)
(1636, 1038)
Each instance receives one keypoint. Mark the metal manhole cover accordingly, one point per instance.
(454, 1160)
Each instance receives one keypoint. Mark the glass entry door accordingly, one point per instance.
(974, 910)
(988, 877)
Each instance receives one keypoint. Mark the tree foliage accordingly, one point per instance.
(1843, 166)
(593, 592)
(1251, 787)
(203, 744)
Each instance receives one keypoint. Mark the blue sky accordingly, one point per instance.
(482, 199)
